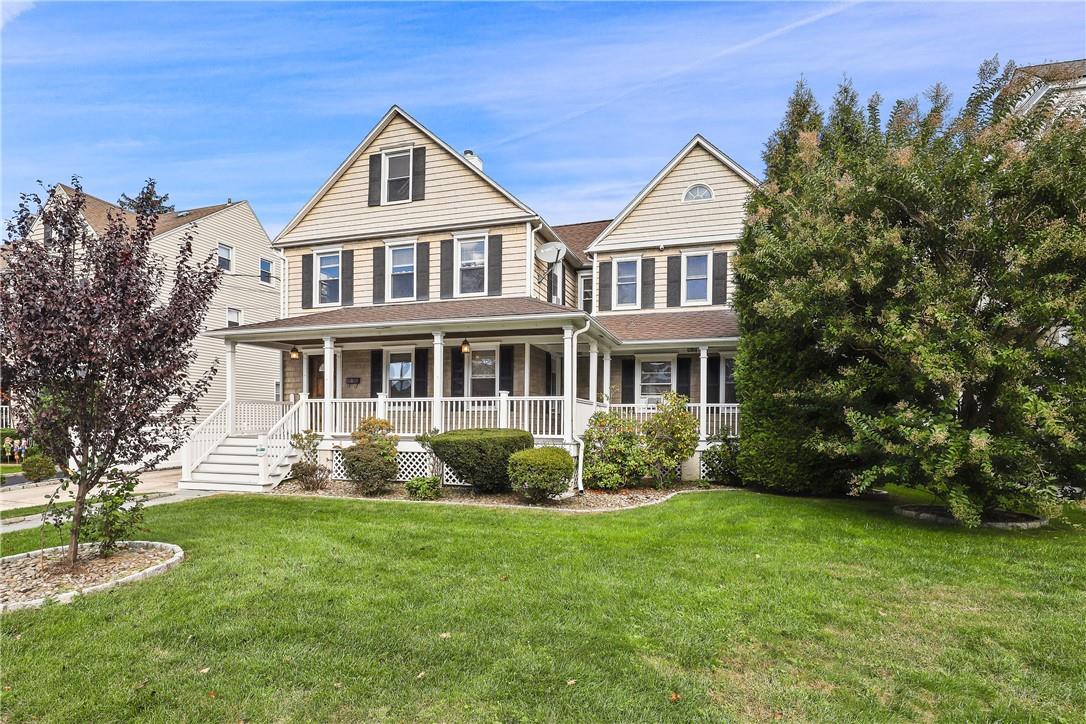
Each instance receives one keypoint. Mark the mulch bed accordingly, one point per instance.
(34, 577)
(590, 500)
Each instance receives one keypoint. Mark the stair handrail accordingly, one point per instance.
(188, 460)
(274, 445)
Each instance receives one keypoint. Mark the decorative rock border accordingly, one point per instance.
(924, 513)
(69, 596)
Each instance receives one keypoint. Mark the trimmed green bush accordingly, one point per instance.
(614, 456)
(426, 487)
(37, 468)
(721, 459)
(371, 462)
(480, 456)
(541, 473)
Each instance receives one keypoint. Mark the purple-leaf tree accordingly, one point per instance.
(97, 336)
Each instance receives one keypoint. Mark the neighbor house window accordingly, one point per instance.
(696, 278)
(627, 289)
(401, 271)
(584, 290)
(698, 192)
(656, 377)
(483, 373)
(226, 257)
(401, 374)
(328, 278)
(471, 265)
(233, 317)
(266, 271)
(397, 168)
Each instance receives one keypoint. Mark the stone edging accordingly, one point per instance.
(907, 511)
(69, 596)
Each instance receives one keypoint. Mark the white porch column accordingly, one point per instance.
(329, 384)
(703, 391)
(607, 377)
(593, 370)
(439, 379)
(231, 384)
(569, 382)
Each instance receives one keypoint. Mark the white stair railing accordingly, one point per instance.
(274, 446)
(205, 437)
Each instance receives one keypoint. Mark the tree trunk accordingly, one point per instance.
(77, 519)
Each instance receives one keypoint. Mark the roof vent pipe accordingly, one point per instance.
(473, 159)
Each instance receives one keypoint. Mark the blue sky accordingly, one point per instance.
(573, 106)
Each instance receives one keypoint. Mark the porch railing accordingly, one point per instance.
(255, 416)
(276, 443)
(716, 416)
(205, 438)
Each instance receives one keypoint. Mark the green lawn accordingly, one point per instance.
(37, 509)
(10, 468)
(717, 605)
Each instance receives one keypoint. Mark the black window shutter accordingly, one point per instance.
(379, 274)
(648, 283)
(674, 280)
(346, 273)
(307, 281)
(729, 382)
(375, 180)
(422, 367)
(418, 173)
(713, 383)
(604, 292)
(377, 370)
(422, 270)
(548, 373)
(628, 392)
(682, 377)
(720, 277)
(456, 372)
(505, 368)
(447, 270)
(494, 265)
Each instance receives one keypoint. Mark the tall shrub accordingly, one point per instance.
(670, 437)
(614, 456)
(371, 462)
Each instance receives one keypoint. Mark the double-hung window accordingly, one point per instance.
(627, 286)
(471, 265)
(266, 271)
(401, 270)
(483, 373)
(696, 274)
(584, 290)
(233, 317)
(397, 176)
(401, 374)
(226, 257)
(328, 277)
(656, 376)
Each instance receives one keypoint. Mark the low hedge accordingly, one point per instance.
(541, 473)
(37, 468)
(480, 456)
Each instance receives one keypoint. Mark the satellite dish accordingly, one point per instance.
(552, 252)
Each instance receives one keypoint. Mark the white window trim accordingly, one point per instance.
(396, 244)
(458, 241)
(672, 358)
(271, 272)
(389, 351)
(581, 277)
(468, 392)
(559, 271)
(241, 315)
(410, 151)
(708, 278)
(712, 193)
(615, 261)
(233, 257)
(317, 254)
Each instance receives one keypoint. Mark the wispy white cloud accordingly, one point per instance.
(11, 10)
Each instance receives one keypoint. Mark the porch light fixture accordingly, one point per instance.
(294, 353)
(465, 347)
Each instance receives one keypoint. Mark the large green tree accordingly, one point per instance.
(913, 297)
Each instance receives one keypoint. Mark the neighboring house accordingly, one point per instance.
(421, 291)
(1062, 83)
(249, 291)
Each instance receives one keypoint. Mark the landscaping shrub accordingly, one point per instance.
(113, 514)
(424, 487)
(371, 462)
(308, 473)
(480, 456)
(38, 467)
(721, 459)
(541, 473)
(614, 456)
(670, 438)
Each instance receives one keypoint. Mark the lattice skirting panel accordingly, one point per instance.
(703, 469)
(411, 465)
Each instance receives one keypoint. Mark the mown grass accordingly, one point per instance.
(717, 605)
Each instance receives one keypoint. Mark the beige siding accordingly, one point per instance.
(660, 275)
(455, 196)
(663, 217)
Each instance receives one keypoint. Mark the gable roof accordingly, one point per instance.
(96, 211)
(578, 237)
(393, 112)
(695, 142)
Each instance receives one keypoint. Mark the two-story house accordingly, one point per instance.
(420, 290)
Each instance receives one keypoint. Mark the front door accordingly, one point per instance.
(316, 377)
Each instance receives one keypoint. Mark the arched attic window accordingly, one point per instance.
(698, 192)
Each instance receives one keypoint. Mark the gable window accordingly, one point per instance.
(401, 374)
(397, 176)
(266, 271)
(483, 373)
(226, 257)
(328, 291)
(627, 288)
(698, 192)
(656, 376)
(471, 265)
(696, 273)
(401, 271)
(584, 290)
(233, 317)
